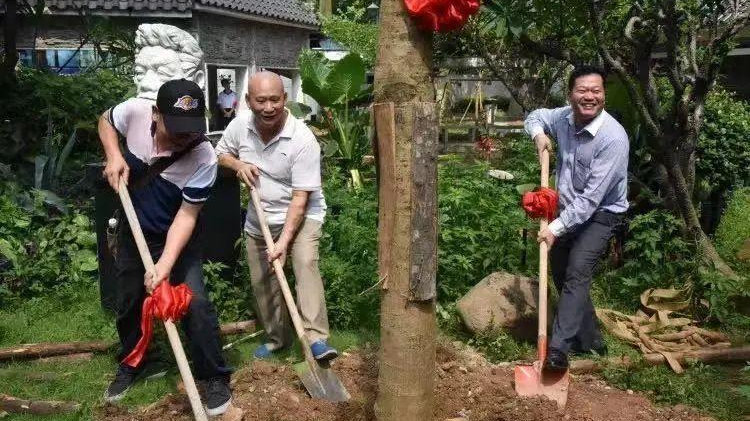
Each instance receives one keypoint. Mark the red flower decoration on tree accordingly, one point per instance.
(441, 15)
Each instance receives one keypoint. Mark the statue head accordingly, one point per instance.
(164, 52)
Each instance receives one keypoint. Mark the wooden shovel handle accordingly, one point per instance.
(543, 255)
(174, 337)
(280, 277)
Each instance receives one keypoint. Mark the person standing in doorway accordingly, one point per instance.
(227, 104)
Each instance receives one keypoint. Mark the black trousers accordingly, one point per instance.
(200, 324)
(573, 258)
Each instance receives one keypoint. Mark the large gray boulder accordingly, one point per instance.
(502, 302)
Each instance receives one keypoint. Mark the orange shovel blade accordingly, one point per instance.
(531, 381)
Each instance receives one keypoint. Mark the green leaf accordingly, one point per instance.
(314, 69)
(85, 260)
(298, 109)
(6, 249)
(525, 188)
(346, 79)
(40, 162)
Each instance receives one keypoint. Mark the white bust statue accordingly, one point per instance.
(164, 52)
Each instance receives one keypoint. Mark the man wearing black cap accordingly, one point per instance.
(169, 168)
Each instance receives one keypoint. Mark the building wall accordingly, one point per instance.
(228, 40)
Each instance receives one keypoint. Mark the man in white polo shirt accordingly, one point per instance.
(276, 152)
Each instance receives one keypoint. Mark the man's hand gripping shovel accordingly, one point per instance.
(319, 381)
(532, 380)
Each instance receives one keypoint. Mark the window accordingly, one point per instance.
(63, 61)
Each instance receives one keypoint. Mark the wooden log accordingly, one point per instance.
(236, 328)
(24, 406)
(707, 356)
(50, 349)
(40, 350)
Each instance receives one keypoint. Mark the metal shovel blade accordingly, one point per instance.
(321, 382)
(530, 380)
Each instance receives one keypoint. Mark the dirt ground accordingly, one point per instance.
(468, 388)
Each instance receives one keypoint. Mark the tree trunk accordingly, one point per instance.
(684, 203)
(10, 32)
(407, 134)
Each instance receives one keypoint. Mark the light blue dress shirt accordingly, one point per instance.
(592, 164)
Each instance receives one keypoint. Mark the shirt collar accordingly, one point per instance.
(593, 126)
(286, 132)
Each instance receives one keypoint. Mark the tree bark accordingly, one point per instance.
(406, 126)
(10, 32)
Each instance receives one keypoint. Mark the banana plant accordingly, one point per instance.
(337, 87)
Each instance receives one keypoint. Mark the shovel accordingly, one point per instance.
(174, 337)
(319, 381)
(531, 380)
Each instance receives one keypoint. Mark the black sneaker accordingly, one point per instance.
(217, 395)
(124, 378)
(555, 361)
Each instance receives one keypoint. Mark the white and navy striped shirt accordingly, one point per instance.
(188, 179)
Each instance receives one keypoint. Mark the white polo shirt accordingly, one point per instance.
(289, 161)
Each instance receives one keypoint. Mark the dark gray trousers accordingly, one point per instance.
(573, 258)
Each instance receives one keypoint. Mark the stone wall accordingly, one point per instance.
(227, 40)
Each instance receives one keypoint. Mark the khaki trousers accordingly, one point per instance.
(272, 310)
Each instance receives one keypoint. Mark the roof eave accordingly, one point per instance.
(252, 17)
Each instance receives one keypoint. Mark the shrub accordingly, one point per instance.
(43, 100)
(723, 149)
(734, 227)
(41, 249)
(348, 253)
(655, 255)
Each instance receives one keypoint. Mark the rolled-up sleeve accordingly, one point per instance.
(608, 167)
(543, 120)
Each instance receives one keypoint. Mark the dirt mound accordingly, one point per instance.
(469, 389)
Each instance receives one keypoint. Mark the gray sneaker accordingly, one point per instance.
(217, 395)
(124, 378)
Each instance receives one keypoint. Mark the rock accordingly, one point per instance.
(744, 253)
(463, 369)
(501, 301)
(233, 414)
(630, 392)
(500, 174)
(457, 419)
(449, 365)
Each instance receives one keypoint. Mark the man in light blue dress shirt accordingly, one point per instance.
(592, 175)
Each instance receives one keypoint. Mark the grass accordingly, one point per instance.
(77, 316)
(720, 391)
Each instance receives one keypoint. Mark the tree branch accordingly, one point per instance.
(635, 94)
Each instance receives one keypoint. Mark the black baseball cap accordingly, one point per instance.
(183, 106)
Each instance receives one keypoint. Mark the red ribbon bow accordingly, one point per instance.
(167, 302)
(540, 203)
(441, 15)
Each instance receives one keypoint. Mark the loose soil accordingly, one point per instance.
(468, 388)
